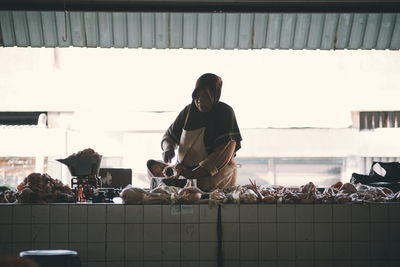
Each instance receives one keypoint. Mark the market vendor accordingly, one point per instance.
(207, 137)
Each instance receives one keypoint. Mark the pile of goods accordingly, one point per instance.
(163, 194)
(84, 167)
(88, 152)
(7, 195)
(308, 193)
(252, 194)
(41, 188)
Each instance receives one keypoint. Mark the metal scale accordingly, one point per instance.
(85, 175)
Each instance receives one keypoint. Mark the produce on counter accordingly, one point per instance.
(251, 194)
(7, 195)
(41, 188)
(134, 195)
(190, 194)
(163, 194)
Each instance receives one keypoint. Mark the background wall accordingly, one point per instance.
(290, 105)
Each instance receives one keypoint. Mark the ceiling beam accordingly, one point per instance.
(287, 6)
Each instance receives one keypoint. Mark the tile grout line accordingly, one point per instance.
(258, 234)
(87, 233)
(161, 237)
(124, 237)
(276, 233)
(295, 247)
(30, 239)
(197, 239)
(313, 224)
(68, 224)
(369, 239)
(143, 260)
(219, 236)
(48, 218)
(240, 236)
(106, 235)
(198, 223)
(12, 229)
(180, 237)
(351, 234)
(332, 232)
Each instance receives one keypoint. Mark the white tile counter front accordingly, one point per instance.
(186, 235)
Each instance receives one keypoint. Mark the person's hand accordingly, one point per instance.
(168, 155)
(180, 169)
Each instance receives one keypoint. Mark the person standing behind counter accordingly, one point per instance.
(207, 136)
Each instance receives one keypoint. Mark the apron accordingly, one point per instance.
(192, 151)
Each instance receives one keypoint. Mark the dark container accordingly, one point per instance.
(83, 165)
(51, 258)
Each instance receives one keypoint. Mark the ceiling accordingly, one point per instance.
(204, 30)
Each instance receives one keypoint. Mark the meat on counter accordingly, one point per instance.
(41, 188)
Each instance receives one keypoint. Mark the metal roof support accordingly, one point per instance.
(286, 6)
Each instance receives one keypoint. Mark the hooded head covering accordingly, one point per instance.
(212, 84)
(219, 123)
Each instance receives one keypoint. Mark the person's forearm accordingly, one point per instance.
(196, 173)
(167, 144)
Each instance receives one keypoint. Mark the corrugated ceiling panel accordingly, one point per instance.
(217, 31)
(77, 29)
(288, 31)
(189, 30)
(274, 30)
(385, 31)
(106, 38)
(148, 30)
(7, 29)
(316, 29)
(21, 28)
(120, 30)
(246, 31)
(260, 30)
(395, 42)
(162, 36)
(344, 30)
(50, 29)
(134, 30)
(302, 30)
(176, 30)
(329, 32)
(91, 29)
(232, 31)
(34, 21)
(372, 30)
(357, 31)
(63, 29)
(200, 30)
(203, 30)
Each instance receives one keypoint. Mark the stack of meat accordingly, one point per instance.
(41, 188)
(163, 194)
(251, 194)
(7, 195)
(308, 193)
